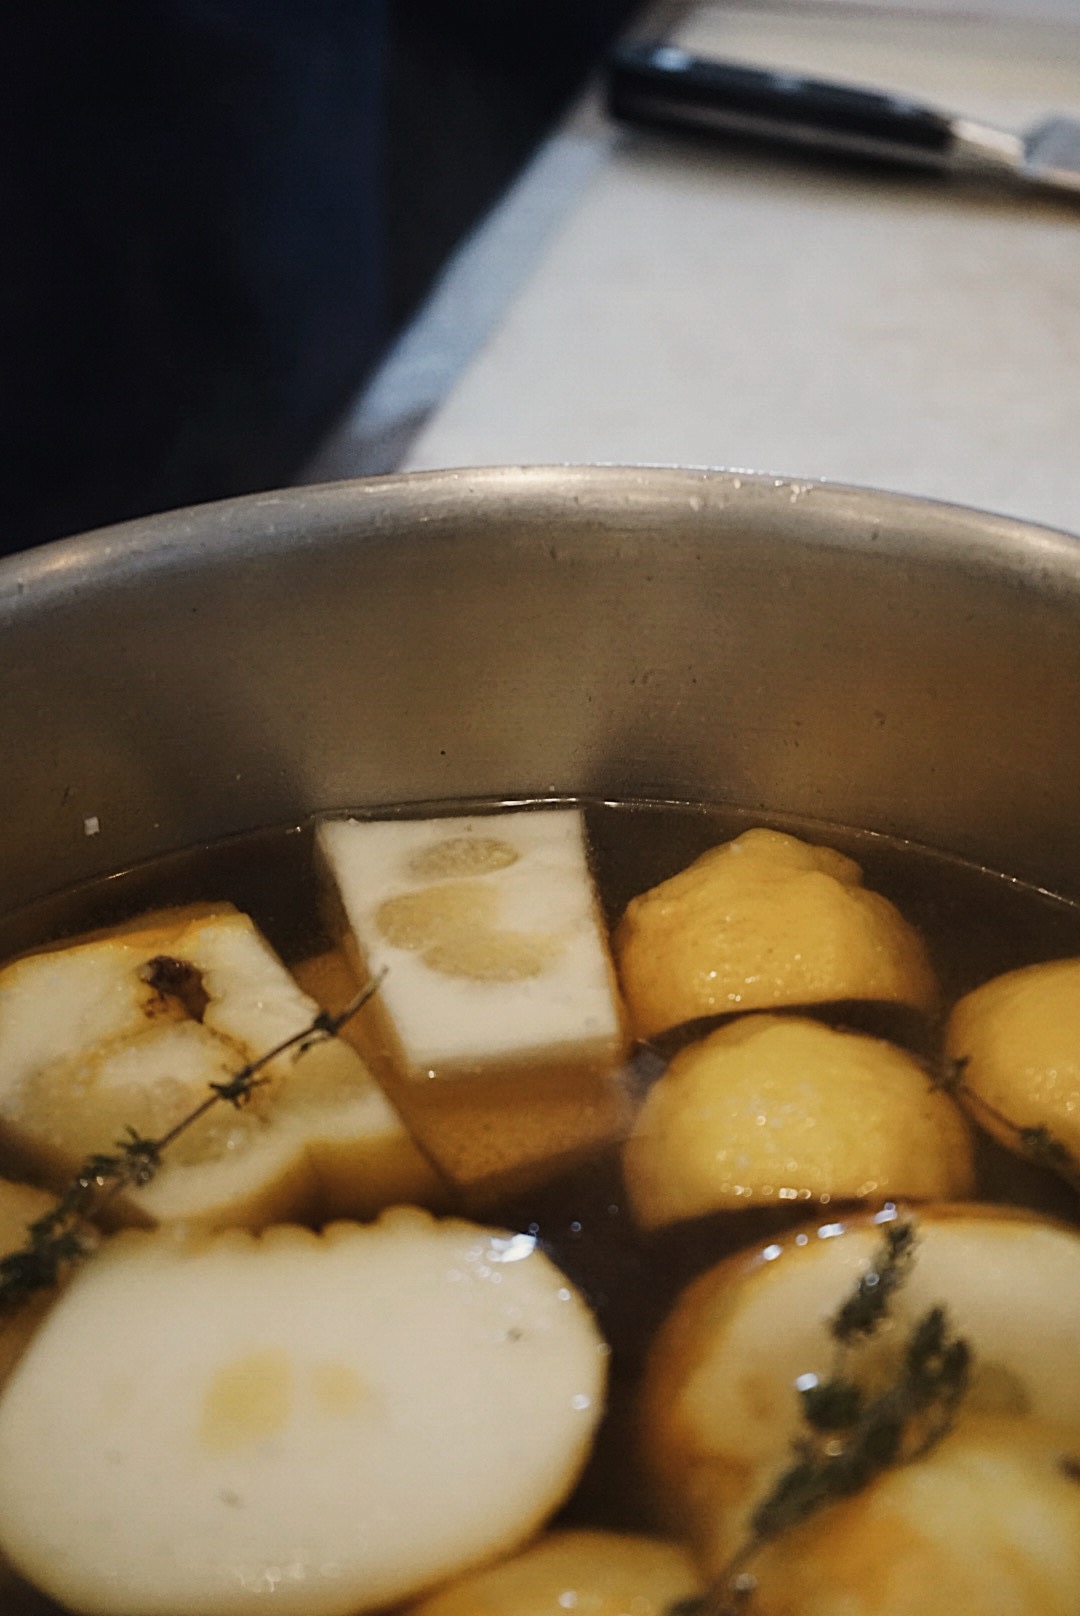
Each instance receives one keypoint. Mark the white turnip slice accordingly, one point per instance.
(316, 1424)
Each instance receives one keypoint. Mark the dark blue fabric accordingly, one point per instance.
(190, 288)
(216, 213)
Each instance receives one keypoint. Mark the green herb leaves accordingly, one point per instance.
(868, 1305)
(65, 1234)
(854, 1427)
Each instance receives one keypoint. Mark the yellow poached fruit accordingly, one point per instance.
(1018, 1037)
(720, 1406)
(988, 1522)
(763, 921)
(775, 1109)
(590, 1572)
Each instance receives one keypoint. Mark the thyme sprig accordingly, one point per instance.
(65, 1235)
(1038, 1143)
(851, 1433)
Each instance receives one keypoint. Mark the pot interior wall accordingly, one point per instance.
(853, 657)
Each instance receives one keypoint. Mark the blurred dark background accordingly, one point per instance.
(218, 214)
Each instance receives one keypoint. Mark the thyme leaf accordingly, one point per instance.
(1037, 1142)
(852, 1434)
(868, 1305)
(64, 1235)
(832, 1405)
(1047, 1150)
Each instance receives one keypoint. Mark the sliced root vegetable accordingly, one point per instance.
(720, 1406)
(987, 1523)
(1019, 1039)
(764, 921)
(130, 1030)
(593, 1573)
(775, 1109)
(360, 1153)
(294, 1423)
(498, 1030)
(363, 1155)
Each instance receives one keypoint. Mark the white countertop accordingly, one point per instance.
(639, 299)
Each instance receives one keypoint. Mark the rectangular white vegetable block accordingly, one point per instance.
(498, 1017)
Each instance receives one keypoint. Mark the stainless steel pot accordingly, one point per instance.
(857, 657)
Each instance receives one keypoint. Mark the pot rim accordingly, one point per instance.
(316, 513)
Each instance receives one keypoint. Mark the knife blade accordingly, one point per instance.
(665, 87)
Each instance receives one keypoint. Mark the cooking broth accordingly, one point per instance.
(977, 924)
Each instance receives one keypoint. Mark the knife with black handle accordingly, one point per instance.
(666, 87)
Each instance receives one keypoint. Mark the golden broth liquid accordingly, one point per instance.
(977, 924)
